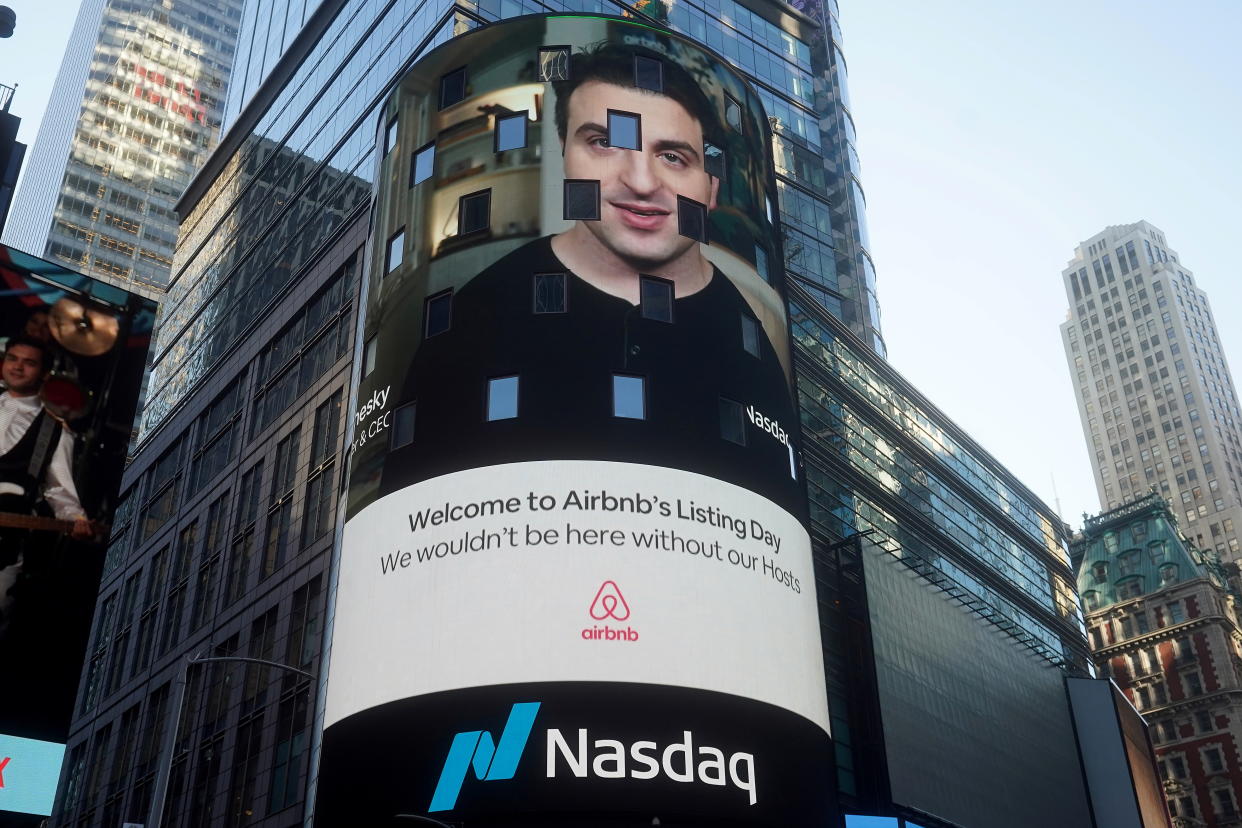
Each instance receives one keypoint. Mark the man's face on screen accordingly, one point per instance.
(638, 188)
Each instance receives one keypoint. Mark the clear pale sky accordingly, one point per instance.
(994, 136)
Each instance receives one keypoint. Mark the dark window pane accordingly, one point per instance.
(502, 398)
(750, 335)
(403, 425)
(549, 293)
(474, 212)
(628, 397)
(554, 63)
(396, 248)
(439, 313)
(656, 298)
(511, 132)
(453, 87)
(691, 219)
(733, 113)
(648, 74)
(581, 199)
(713, 160)
(732, 425)
(423, 165)
(624, 130)
(390, 136)
(761, 263)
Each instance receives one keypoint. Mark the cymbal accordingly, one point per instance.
(82, 330)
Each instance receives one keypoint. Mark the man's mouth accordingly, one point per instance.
(641, 216)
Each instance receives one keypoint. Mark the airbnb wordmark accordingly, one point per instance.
(609, 603)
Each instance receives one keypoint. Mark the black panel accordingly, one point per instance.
(581, 199)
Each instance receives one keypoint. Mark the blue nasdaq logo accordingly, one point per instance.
(490, 760)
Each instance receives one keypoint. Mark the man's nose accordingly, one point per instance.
(638, 173)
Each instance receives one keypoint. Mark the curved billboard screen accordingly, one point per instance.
(575, 577)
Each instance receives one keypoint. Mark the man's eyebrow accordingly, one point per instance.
(590, 126)
(670, 144)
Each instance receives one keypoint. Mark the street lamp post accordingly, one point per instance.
(166, 755)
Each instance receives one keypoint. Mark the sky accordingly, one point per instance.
(994, 137)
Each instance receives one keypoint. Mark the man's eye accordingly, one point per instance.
(674, 158)
(598, 141)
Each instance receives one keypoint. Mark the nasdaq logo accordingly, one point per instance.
(491, 760)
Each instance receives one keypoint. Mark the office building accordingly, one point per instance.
(947, 606)
(1158, 406)
(1163, 622)
(134, 113)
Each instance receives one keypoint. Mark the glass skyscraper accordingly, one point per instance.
(135, 111)
(223, 540)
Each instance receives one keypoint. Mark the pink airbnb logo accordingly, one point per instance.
(609, 603)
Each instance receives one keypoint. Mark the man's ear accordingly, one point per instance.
(711, 201)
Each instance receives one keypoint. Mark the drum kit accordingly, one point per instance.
(84, 331)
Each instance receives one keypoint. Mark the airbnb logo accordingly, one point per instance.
(3, 763)
(609, 603)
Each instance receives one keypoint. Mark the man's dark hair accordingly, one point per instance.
(31, 342)
(612, 63)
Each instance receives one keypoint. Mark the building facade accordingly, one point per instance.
(1157, 402)
(1163, 623)
(223, 544)
(135, 111)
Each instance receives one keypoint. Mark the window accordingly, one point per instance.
(733, 113)
(1127, 562)
(1099, 571)
(1193, 683)
(761, 263)
(396, 248)
(318, 508)
(438, 314)
(691, 219)
(1204, 722)
(280, 507)
(732, 422)
(751, 331)
(554, 63)
(1091, 599)
(510, 131)
(581, 199)
(549, 293)
(403, 425)
(502, 398)
(422, 165)
(390, 136)
(1130, 588)
(1168, 574)
(1176, 613)
(629, 397)
(368, 357)
(1222, 801)
(474, 212)
(656, 298)
(453, 87)
(713, 160)
(648, 74)
(625, 130)
(1213, 761)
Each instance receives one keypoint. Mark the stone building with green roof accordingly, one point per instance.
(1162, 618)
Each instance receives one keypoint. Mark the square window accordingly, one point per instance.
(761, 263)
(502, 398)
(438, 314)
(554, 63)
(713, 160)
(390, 136)
(403, 426)
(474, 212)
(625, 130)
(629, 397)
(581, 199)
(655, 298)
(733, 113)
(453, 87)
(692, 219)
(750, 335)
(368, 357)
(648, 73)
(732, 424)
(396, 248)
(511, 131)
(422, 165)
(550, 293)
